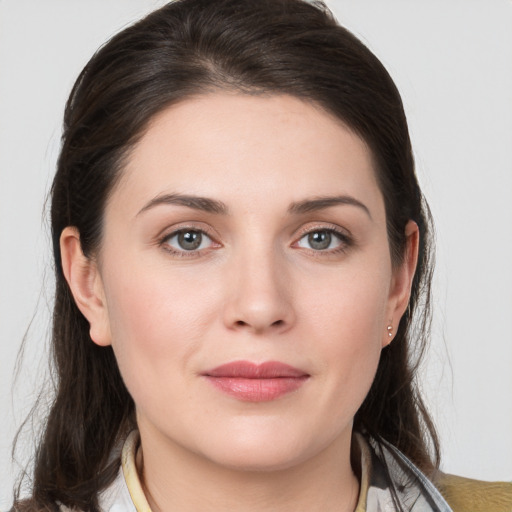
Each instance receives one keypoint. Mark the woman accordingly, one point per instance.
(240, 245)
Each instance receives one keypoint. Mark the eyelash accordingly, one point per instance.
(183, 253)
(345, 241)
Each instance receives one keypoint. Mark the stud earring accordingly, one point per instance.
(390, 331)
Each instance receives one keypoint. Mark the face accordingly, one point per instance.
(244, 279)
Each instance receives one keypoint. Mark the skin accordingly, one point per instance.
(257, 289)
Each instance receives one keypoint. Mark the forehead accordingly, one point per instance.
(235, 146)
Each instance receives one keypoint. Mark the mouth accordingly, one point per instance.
(251, 382)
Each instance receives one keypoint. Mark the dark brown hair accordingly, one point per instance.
(186, 48)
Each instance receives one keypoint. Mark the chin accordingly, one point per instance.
(260, 453)
(258, 460)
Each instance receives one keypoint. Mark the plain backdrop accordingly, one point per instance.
(451, 60)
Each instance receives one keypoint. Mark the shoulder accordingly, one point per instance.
(468, 495)
(387, 468)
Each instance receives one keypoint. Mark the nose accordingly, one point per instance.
(260, 294)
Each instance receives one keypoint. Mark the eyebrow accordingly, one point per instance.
(218, 207)
(321, 203)
(196, 202)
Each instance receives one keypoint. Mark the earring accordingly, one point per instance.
(390, 331)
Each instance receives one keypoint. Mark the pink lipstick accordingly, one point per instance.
(253, 382)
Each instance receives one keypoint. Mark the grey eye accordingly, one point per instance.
(320, 240)
(188, 240)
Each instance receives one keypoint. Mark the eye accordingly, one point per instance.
(188, 240)
(321, 240)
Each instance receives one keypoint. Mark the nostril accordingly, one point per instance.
(241, 323)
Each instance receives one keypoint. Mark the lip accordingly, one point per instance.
(253, 382)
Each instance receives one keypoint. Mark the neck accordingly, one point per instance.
(173, 478)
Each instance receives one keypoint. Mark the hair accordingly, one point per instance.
(184, 49)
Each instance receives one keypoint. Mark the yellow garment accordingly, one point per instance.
(467, 495)
(130, 472)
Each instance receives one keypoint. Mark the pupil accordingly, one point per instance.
(319, 240)
(189, 240)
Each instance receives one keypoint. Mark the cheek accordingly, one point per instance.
(349, 306)
(157, 324)
(352, 336)
(155, 307)
(349, 321)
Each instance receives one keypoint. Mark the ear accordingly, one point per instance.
(401, 282)
(84, 280)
